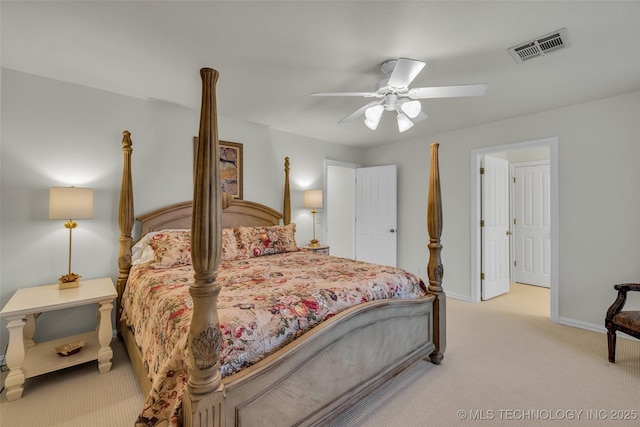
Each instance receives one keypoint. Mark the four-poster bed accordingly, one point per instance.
(306, 381)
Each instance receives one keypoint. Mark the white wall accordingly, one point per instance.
(58, 134)
(599, 149)
(54, 134)
(305, 155)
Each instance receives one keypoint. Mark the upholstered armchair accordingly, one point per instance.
(619, 320)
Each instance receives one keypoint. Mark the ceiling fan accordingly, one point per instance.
(394, 94)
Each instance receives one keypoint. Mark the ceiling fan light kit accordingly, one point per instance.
(411, 108)
(374, 113)
(404, 123)
(371, 124)
(394, 95)
(372, 116)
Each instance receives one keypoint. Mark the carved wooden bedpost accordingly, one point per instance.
(434, 268)
(204, 397)
(286, 209)
(125, 221)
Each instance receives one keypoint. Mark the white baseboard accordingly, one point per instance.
(460, 297)
(582, 325)
(591, 327)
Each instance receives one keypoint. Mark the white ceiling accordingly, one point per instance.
(272, 55)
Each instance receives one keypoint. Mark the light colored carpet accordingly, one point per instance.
(505, 364)
(77, 396)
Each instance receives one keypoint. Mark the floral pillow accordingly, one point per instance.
(258, 241)
(171, 248)
(230, 249)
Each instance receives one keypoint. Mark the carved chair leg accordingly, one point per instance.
(611, 341)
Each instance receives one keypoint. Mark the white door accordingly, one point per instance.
(340, 208)
(376, 216)
(532, 230)
(495, 227)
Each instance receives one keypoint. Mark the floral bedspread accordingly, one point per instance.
(265, 302)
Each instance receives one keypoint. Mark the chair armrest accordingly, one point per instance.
(618, 304)
(634, 287)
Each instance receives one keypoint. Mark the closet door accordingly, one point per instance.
(532, 227)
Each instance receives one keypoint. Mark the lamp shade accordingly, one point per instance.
(70, 203)
(313, 199)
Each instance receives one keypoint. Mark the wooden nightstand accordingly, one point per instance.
(27, 359)
(322, 249)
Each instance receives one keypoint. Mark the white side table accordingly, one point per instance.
(27, 359)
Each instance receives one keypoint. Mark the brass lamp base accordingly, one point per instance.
(314, 243)
(68, 285)
(69, 281)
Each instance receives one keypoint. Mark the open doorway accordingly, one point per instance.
(340, 208)
(517, 153)
(361, 212)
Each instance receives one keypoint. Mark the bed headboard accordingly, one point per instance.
(235, 213)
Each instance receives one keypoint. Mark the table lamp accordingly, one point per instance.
(313, 200)
(70, 203)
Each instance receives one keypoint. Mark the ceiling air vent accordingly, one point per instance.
(540, 46)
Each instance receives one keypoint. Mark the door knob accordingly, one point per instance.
(509, 233)
(393, 230)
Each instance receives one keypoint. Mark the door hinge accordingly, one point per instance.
(481, 276)
(481, 171)
(514, 221)
(515, 263)
(514, 179)
(482, 223)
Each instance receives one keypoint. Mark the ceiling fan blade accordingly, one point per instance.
(365, 94)
(405, 71)
(360, 111)
(447, 91)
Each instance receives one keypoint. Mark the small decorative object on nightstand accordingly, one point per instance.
(27, 359)
(313, 200)
(320, 249)
(70, 203)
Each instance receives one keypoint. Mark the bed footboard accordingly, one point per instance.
(333, 366)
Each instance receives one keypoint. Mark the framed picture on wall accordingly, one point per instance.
(230, 158)
(231, 168)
